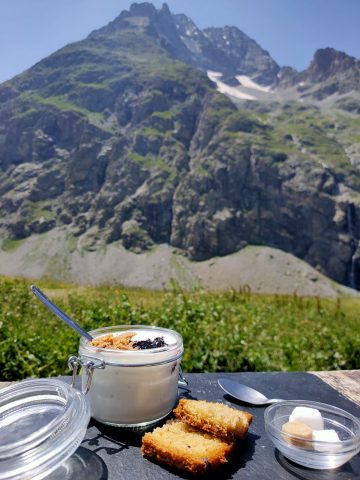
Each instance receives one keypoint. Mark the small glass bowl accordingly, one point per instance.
(309, 453)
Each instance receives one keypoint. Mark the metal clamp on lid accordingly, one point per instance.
(89, 364)
(182, 380)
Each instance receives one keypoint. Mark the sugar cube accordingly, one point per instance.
(296, 431)
(310, 416)
(326, 436)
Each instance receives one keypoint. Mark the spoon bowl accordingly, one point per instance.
(244, 393)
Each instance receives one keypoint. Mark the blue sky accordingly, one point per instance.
(291, 30)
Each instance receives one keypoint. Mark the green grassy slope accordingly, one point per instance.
(233, 331)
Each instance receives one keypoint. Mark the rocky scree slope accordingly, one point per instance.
(120, 138)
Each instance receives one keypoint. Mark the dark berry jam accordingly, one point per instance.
(145, 344)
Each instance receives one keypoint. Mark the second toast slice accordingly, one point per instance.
(215, 418)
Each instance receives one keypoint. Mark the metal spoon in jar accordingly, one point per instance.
(244, 393)
(55, 309)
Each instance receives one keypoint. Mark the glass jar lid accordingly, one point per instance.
(42, 422)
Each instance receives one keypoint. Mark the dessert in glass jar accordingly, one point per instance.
(130, 373)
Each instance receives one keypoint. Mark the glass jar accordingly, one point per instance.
(42, 423)
(131, 388)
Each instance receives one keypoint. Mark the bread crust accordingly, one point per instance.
(215, 418)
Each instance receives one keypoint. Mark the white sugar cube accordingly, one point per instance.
(310, 416)
(325, 436)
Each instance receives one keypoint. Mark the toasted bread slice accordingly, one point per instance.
(181, 446)
(215, 418)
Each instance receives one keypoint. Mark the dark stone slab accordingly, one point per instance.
(114, 454)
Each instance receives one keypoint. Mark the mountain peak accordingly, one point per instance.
(226, 50)
(330, 72)
(147, 9)
(142, 9)
(328, 62)
(165, 8)
(240, 54)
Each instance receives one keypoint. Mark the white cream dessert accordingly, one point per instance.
(137, 386)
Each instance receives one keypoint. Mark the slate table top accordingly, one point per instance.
(108, 453)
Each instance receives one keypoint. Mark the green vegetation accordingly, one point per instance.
(151, 162)
(39, 209)
(233, 331)
(10, 245)
(220, 107)
(201, 171)
(166, 114)
(150, 132)
(60, 101)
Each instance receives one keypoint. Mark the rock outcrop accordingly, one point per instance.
(330, 73)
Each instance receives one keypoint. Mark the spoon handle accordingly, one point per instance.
(51, 306)
(275, 400)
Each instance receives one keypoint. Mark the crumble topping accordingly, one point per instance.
(124, 342)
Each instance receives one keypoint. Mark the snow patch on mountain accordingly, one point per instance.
(247, 82)
(226, 89)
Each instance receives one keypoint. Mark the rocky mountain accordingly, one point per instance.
(226, 50)
(123, 138)
(330, 73)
